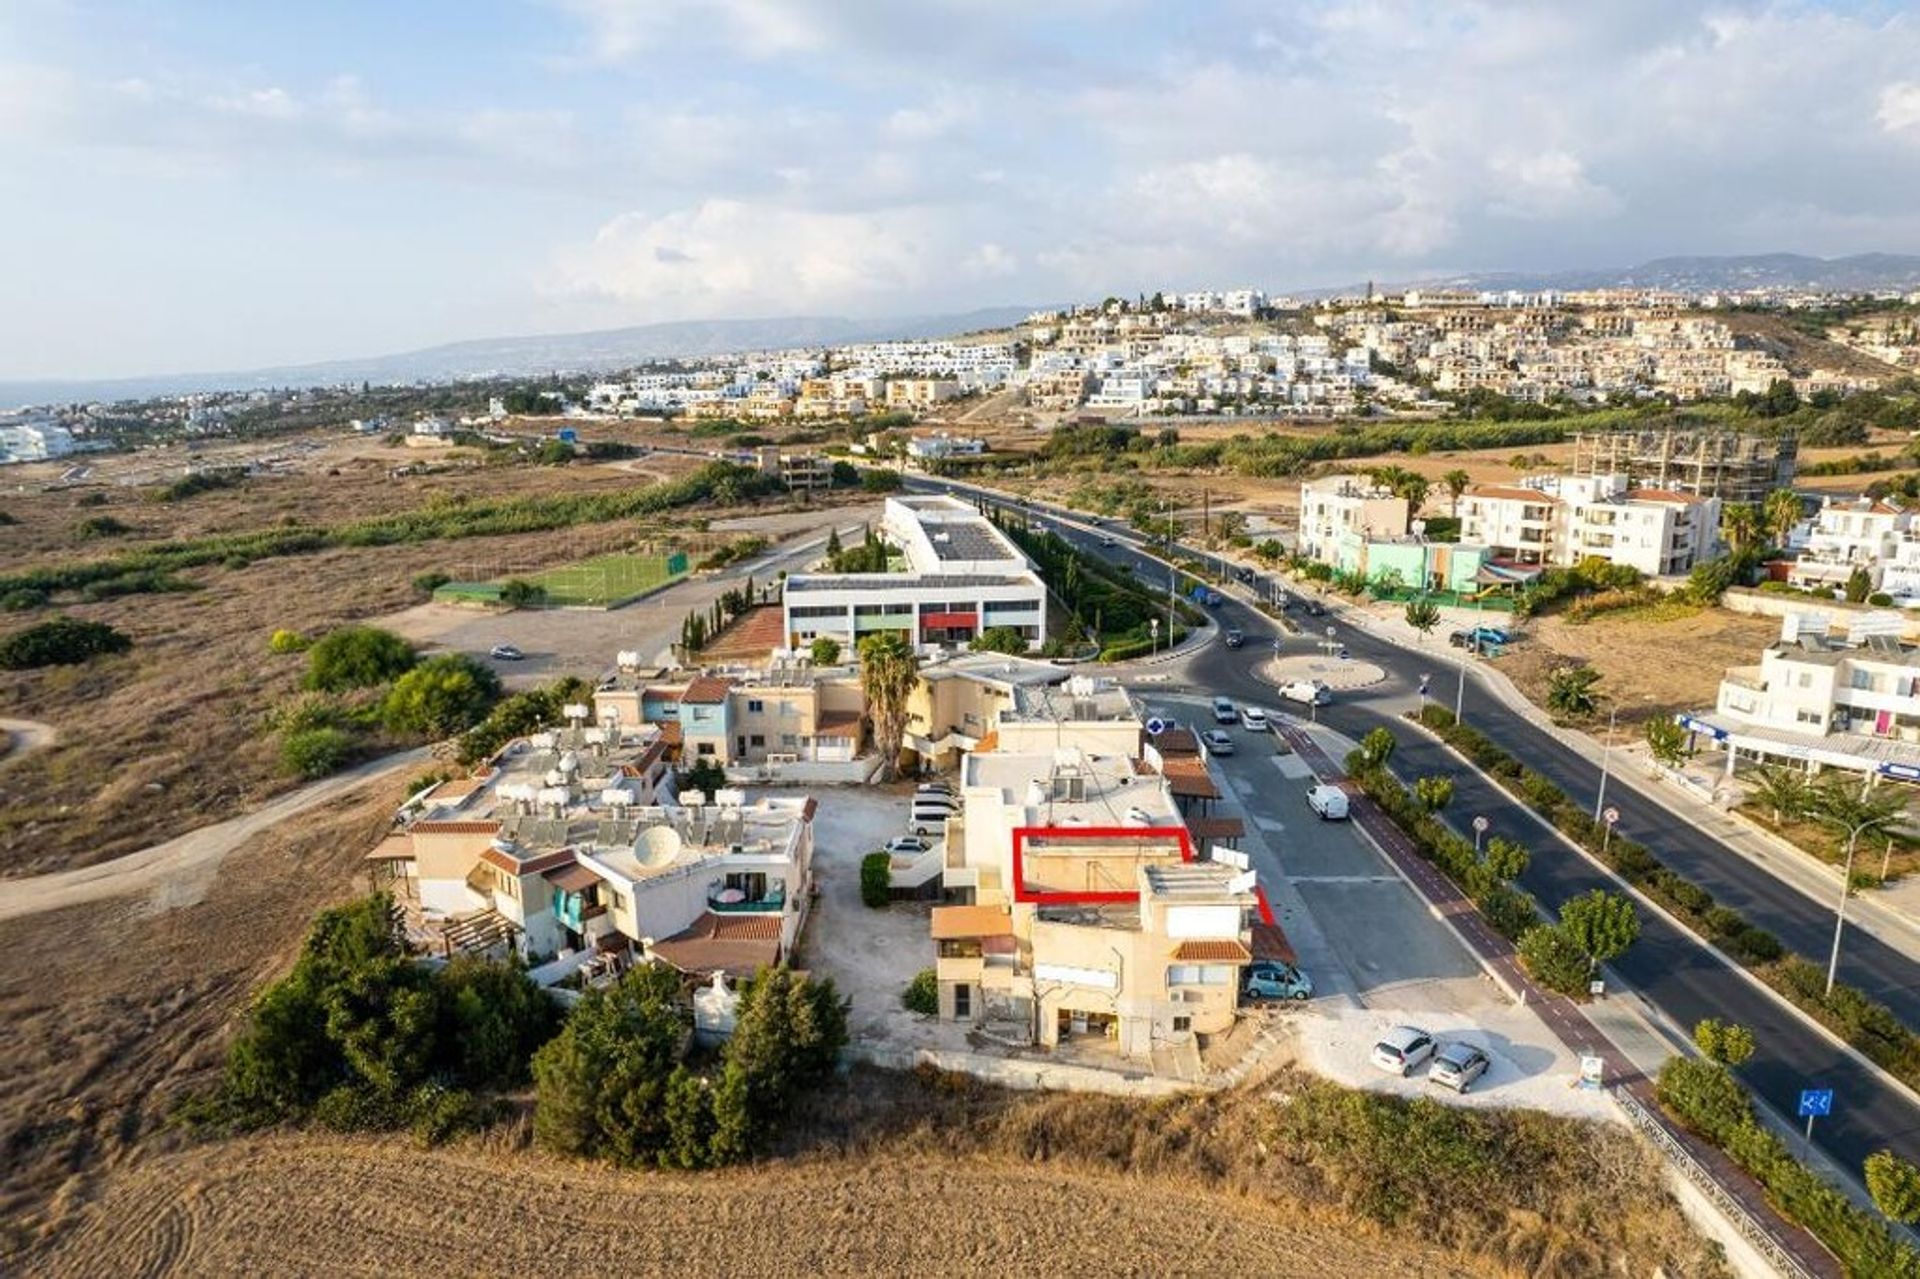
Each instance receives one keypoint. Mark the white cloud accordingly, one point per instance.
(1899, 107)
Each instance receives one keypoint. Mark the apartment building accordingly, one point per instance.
(800, 472)
(1561, 520)
(963, 577)
(917, 395)
(973, 701)
(1338, 505)
(1821, 701)
(570, 843)
(32, 437)
(1864, 533)
(1085, 912)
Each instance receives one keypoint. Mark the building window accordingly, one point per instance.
(963, 1000)
(1182, 1024)
(1810, 717)
(704, 748)
(756, 740)
(619, 899)
(755, 706)
(789, 741)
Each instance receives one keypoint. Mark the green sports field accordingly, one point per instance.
(603, 581)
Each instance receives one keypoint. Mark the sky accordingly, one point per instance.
(193, 185)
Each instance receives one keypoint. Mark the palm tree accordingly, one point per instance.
(1571, 691)
(1783, 791)
(1423, 616)
(888, 670)
(1780, 513)
(1457, 482)
(1740, 526)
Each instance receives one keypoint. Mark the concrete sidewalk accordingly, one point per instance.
(1891, 917)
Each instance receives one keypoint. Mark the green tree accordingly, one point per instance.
(833, 544)
(1726, 1042)
(383, 1015)
(356, 657)
(1740, 526)
(64, 641)
(1376, 748)
(441, 696)
(1434, 792)
(518, 592)
(1859, 585)
(1709, 580)
(922, 994)
(1000, 639)
(888, 671)
(1422, 616)
(787, 1041)
(1895, 1186)
(1601, 924)
(704, 775)
(1571, 691)
(1667, 741)
(825, 651)
(876, 879)
(1554, 959)
(494, 1018)
(601, 1083)
(1505, 859)
(1457, 482)
(1785, 792)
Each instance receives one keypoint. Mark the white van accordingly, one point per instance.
(1328, 801)
(930, 814)
(1308, 692)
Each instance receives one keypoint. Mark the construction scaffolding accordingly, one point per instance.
(1712, 462)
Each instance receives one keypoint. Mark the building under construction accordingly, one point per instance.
(1729, 465)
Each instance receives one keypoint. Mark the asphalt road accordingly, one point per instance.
(1668, 965)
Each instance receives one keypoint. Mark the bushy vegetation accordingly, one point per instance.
(359, 1036)
(1000, 639)
(825, 651)
(152, 568)
(98, 526)
(876, 879)
(1706, 1097)
(615, 1083)
(703, 774)
(441, 696)
(1865, 1023)
(356, 657)
(316, 752)
(64, 641)
(283, 642)
(1105, 601)
(922, 994)
(199, 482)
(518, 715)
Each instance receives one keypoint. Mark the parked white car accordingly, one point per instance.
(1402, 1050)
(1308, 692)
(908, 845)
(1253, 719)
(1330, 802)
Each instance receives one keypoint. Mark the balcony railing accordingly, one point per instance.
(772, 903)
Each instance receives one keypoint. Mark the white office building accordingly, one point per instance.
(962, 576)
(32, 437)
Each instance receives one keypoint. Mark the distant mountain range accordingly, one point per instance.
(1863, 272)
(510, 357)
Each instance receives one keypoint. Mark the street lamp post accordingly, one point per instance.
(1840, 916)
(1460, 690)
(1153, 628)
(1606, 763)
(1480, 825)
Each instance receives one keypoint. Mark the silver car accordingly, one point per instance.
(1457, 1065)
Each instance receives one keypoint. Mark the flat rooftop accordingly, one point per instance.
(1077, 700)
(1072, 788)
(1196, 881)
(899, 581)
(998, 669)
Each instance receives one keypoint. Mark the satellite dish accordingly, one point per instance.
(657, 846)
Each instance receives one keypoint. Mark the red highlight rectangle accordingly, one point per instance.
(1021, 834)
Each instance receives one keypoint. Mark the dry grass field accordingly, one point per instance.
(172, 735)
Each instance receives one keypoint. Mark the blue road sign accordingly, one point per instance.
(1816, 1101)
(1155, 727)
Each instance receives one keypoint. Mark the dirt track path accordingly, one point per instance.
(180, 869)
(24, 736)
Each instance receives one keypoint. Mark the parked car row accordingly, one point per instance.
(1456, 1064)
(933, 803)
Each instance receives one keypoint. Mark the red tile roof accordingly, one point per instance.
(669, 695)
(670, 735)
(455, 828)
(707, 690)
(1221, 951)
(1189, 778)
(1509, 493)
(1663, 495)
(499, 860)
(971, 921)
(837, 724)
(740, 945)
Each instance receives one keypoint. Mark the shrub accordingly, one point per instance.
(517, 592)
(1895, 1186)
(876, 879)
(922, 994)
(1000, 639)
(315, 752)
(704, 775)
(428, 583)
(825, 651)
(20, 601)
(64, 641)
(1880, 599)
(98, 526)
(441, 696)
(285, 641)
(356, 657)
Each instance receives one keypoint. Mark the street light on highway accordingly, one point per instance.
(1153, 628)
(1606, 762)
(1480, 825)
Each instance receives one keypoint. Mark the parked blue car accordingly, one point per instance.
(1267, 979)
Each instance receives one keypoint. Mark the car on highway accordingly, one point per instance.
(1270, 979)
(1217, 742)
(1107, 540)
(1402, 1049)
(908, 845)
(505, 653)
(1456, 1065)
(1224, 712)
(1253, 719)
(1308, 692)
(1316, 609)
(1330, 802)
(1235, 637)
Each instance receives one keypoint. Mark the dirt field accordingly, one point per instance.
(1648, 667)
(172, 735)
(338, 1207)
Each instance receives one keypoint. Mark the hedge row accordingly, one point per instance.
(1510, 910)
(1706, 1097)
(148, 570)
(1863, 1022)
